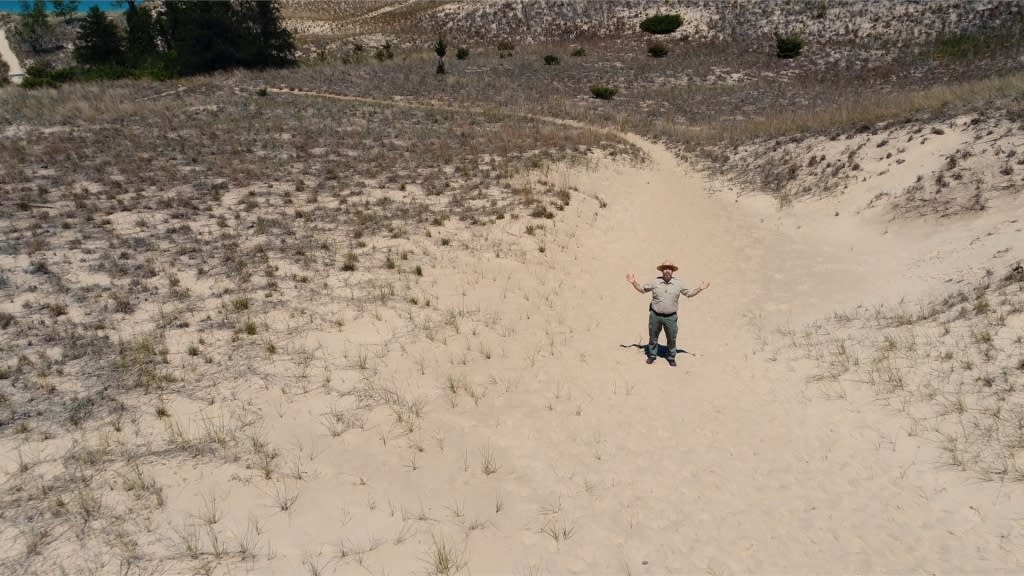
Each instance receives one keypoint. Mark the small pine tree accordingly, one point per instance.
(140, 45)
(269, 43)
(440, 48)
(99, 40)
(66, 9)
(34, 26)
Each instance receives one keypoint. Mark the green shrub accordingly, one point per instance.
(657, 49)
(661, 23)
(462, 53)
(577, 52)
(384, 52)
(963, 46)
(506, 46)
(602, 92)
(551, 60)
(788, 45)
(110, 72)
(38, 76)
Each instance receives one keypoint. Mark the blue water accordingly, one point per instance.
(106, 5)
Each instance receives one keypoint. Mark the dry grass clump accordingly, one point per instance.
(92, 502)
(954, 367)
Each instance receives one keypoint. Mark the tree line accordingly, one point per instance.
(181, 38)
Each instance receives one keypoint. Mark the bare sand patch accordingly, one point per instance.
(14, 68)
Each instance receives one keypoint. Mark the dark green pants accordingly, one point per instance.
(654, 325)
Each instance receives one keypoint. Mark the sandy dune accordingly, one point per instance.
(561, 452)
(545, 445)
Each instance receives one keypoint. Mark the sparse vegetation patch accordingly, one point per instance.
(951, 367)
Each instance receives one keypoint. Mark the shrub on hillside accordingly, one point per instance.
(661, 23)
(551, 60)
(963, 46)
(602, 92)
(40, 76)
(577, 52)
(505, 48)
(384, 52)
(788, 45)
(462, 53)
(657, 49)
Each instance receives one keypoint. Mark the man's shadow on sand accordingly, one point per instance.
(662, 350)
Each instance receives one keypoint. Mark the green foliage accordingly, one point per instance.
(40, 76)
(34, 25)
(384, 52)
(184, 38)
(440, 48)
(66, 9)
(140, 49)
(505, 48)
(110, 72)
(462, 53)
(602, 92)
(99, 40)
(963, 46)
(578, 52)
(201, 37)
(270, 44)
(551, 60)
(657, 49)
(788, 45)
(661, 23)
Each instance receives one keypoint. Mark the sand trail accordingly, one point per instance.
(14, 66)
(729, 463)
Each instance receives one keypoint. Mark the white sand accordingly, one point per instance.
(8, 56)
(728, 464)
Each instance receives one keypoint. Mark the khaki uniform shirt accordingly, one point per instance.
(665, 295)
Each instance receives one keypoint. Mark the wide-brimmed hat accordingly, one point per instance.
(667, 264)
